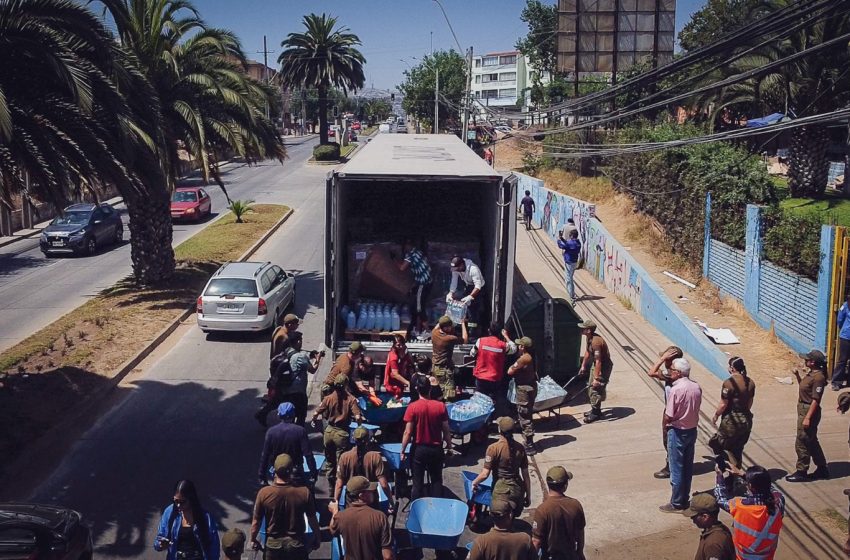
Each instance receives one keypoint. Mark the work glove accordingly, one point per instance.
(449, 297)
(467, 300)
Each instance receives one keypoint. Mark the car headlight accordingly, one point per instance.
(44, 236)
(79, 233)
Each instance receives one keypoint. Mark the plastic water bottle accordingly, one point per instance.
(351, 320)
(386, 320)
(370, 319)
(362, 319)
(396, 320)
(343, 312)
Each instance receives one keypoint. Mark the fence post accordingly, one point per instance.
(706, 245)
(825, 273)
(752, 259)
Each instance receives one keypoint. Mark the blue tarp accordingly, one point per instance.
(764, 121)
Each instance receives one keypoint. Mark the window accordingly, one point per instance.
(490, 61)
(184, 196)
(478, 63)
(490, 93)
(506, 93)
(490, 78)
(232, 286)
(507, 76)
(106, 209)
(203, 193)
(17, 542)
(97, 215)
(477, 79)
(509, 59)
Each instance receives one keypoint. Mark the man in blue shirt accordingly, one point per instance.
(287, 437)
(527, 204)
(839, 373)
(571, 248)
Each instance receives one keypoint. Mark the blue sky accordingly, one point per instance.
(390, 30)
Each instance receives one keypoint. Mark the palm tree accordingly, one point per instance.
(323, 57)
(65, 126)
(811, 85)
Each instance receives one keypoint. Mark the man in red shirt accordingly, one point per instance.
(489, 353)
(427, 423)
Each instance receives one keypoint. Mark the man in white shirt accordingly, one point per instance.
(468, 272)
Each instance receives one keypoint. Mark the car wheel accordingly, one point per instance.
(91, 246)
(119, 235)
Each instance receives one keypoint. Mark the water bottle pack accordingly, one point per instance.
(546, 389)
(375, 316)
(475, 407)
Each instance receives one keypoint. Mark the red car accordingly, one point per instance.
(190, 203)
(356, 125)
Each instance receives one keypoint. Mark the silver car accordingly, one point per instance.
(245, 296)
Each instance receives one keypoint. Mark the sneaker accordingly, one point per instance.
(670, 508)
(663, 473)
(821, 473)
(591, 417)
(798, 476)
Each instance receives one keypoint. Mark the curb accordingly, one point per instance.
(59, 432)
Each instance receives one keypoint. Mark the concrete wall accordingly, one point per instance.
(607, 260)
(796, 307)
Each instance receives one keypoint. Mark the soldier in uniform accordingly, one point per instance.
(508, 462)
(502, 542)
(715, 542)
(557, 528)
(524, 374)
(344, 365)
(736, 402)
(808, 417)
(598, 359)
(359, 461)
(443, 341)
(340, 408)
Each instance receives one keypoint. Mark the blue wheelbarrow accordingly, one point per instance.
(436, 523)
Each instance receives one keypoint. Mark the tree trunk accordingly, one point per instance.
(323, 115)
(150, 237)
(808, 166)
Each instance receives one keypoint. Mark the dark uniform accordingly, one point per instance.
(525, 377)
(365, 531)
(502, 543)
(557, 522)
(715, 543)
(340, 408)
(442, 348)
(807, 445)
(737, 421)
(598, 349)
(343, 365)
(505, 459)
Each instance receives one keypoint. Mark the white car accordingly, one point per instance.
(245, 296)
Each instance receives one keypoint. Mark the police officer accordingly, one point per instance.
(280, 336)
(443, 341)
(359, 461)
(344, 365)
(735, 408)
(808, 417)
(597, 360)
(233, 543)
(365, 531)
(502, 542)
(557, 528)
(340, 408)
(524, 374)
(507, 461)
(715, 542)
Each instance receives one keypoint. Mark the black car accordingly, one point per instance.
(40, 532)
(82, 228)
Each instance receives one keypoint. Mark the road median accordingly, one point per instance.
(63, 369)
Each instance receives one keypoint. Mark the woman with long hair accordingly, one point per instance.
(756, 517)
(186, 530)
(735, 411)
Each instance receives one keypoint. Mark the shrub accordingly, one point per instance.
(792, 241)
(326, 152)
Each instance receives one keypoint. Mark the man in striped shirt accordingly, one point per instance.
(415, 260)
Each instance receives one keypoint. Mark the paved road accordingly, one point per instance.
(35, 290)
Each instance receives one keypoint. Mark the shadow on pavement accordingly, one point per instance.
(14, 263)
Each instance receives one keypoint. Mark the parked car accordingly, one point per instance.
(190, 203)
(82, 228)
(41, 532)
(245, 296)
(401, 128)
(355, 125)
(331, 132)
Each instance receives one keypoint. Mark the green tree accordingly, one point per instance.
(540, 45)
(714, 20)
(377, 109)
(323, 57)
(419, 84)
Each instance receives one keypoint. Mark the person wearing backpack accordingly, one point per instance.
(280, 379)
(292, 384)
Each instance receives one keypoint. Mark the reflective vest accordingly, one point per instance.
(755, 534)
(490, 364)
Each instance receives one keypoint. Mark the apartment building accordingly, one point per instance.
(500, 79)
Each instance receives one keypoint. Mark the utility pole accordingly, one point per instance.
(436, 99)
(467, 100)
(303, 109)
(266, 53)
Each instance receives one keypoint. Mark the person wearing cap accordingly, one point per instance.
(340, 408)
(289, 438)
(365, 531)
(470, 274)
(280, 336)
(443, 342)
(399, 369)
(283, 506)
(735, 409)
(557, 526)
(233, 543)
(660, 370)
(361, 378)
(681, 417)
(360, 460)
(715, 542)
(502, 542)
(808, 448)
(490, 353)
(301, 363)
(279, 374)
(757, 516)
(597, 360)
(524, 374)
(508, 463)
(427, 428)
(344, 365)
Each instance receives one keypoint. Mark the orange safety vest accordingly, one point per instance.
(755, 533)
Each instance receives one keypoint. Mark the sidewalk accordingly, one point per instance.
(613, 460)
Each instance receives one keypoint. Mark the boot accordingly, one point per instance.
(592, 416)
(529, 446)
(663, 473)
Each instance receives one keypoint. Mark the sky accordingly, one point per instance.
(394, 33)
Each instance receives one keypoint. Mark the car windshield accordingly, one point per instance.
(244, 287)
(184, 196)
(72, 218)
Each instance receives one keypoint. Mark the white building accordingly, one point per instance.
(500, 79)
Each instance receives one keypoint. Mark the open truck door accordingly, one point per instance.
(331, 249)
(502, 293)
